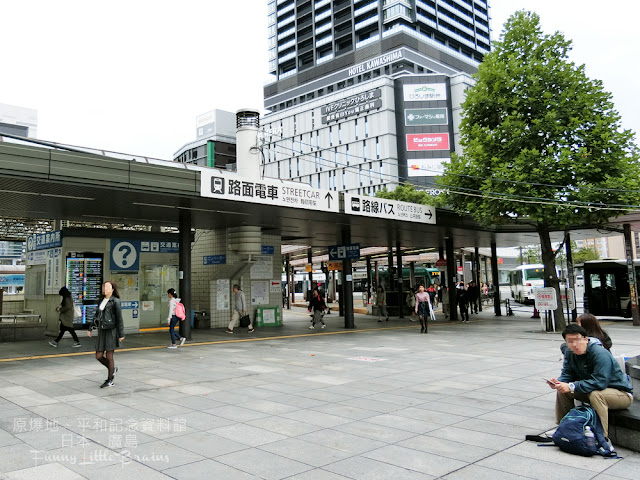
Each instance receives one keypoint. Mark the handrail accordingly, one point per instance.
(16, 316)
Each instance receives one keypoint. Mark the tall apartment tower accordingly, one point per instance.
(367, 93)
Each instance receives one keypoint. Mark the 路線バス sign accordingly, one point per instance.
(388, 209)
(230, 186)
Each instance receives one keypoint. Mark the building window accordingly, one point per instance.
(370, 173)
(344, 180)
(278, 169)
(356, 127)
(295, 125)
(297, 166)
(289, 167)
(360, 174)
(313, 120)
(366, 127)
(311, 140)
(335, 156)
(318, 140)
(347, 154)
(381, 171)
(364, 149)
(316, 160)
(330, 137)
(318, 180)
(339, 134)
(377, 147)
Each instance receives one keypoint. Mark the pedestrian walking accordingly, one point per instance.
(381, 303)
(411, 302)
(317, 306)
(432, 294)
(66, 310)
(108, 322)
(463, 301)
(239, 310)
(423, 307)
(173, 320)
(445, 302)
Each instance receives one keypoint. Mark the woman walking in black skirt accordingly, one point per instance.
(108, 321)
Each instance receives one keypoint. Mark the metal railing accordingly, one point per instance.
(21, 318)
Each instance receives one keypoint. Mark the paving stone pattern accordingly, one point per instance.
(377, 403)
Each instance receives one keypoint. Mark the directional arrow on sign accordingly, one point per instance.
(333, 253)
(429, 214)
(329, 197)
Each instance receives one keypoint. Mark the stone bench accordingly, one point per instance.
(624, 425)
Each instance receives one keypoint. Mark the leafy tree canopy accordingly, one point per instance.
(407, 192)
(541, 141)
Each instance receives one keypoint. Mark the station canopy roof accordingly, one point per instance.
(39, 184)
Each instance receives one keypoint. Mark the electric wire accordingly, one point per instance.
(466, 191)
(516, 182)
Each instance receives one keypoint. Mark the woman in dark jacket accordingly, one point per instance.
(108, 321)
(66, 318)
(592, 326)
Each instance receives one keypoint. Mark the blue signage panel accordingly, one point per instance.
(129, 305)
(159, 247)
(42, 241)
(13, 280)
(214, 259)
(344, 252)
(125, 255)
(268, 250)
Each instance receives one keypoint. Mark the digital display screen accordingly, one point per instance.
(84, 281)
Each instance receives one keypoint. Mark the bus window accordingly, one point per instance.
(537, 274)
(594, 280)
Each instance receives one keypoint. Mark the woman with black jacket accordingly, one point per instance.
(108, 321)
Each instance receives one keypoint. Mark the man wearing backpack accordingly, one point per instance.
(590, 374)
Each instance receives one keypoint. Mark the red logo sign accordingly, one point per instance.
(427, 141)
(441, 263)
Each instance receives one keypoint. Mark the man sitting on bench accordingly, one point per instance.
(590, 374)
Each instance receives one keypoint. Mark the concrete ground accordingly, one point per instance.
(379, 402)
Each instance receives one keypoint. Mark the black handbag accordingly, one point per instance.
(245, 321)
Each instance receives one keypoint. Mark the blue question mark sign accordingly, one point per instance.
(124, 255)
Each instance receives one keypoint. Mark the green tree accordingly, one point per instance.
(542, 143)
(407, 192)
(584, 254)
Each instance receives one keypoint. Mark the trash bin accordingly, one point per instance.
(201, 321)
(268, 316)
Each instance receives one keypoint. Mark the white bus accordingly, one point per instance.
(524, 279)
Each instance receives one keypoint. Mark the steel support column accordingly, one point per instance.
(184, 266)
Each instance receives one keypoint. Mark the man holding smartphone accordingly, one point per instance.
(590, 374)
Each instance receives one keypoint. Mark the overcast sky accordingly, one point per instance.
(131, 76)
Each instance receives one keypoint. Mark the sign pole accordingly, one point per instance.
(347, 282)
(633, 291)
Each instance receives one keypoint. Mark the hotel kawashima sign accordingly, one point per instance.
(376, 62)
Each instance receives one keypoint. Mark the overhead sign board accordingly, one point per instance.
(342, 252)
(424, 92)
(214, 259)
(388, 209)
(545, 298)
(418, 142)
(43, 241)
(216, 183)
(414, 117)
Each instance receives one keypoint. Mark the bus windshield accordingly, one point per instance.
(537, 274)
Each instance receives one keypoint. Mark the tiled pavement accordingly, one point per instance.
(386, 403)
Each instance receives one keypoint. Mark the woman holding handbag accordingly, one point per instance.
(173, 319)
(108, 321)
(66, 310)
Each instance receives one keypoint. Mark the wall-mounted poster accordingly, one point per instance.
(263, 268)
(260, 293)
(222, 294)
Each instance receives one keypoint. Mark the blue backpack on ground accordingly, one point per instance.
(580, 432)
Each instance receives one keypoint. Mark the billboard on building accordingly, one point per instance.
(414, 117)
(426, 167)
(424, 92)
(418, 142)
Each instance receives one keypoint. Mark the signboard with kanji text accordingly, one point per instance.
(388, 209)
